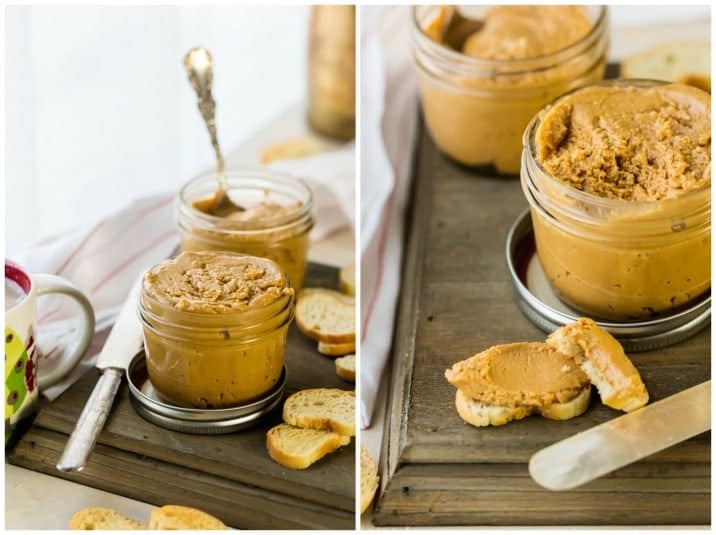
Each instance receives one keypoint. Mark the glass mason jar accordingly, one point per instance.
(617, 259)
(282, 238)
(331, 71)
(209, 360)
(477, 109)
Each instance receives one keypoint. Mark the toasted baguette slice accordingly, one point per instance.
(368, 479)
(686, 62)
(297, 448)
(336, 350)
(346, 368)
(326, 316)
(603, 360)
(329, 409)
(546, 376)
(177, 517)
(101, 518)
(568, 409)
(293, 148)
(347, 280)
(480, 415)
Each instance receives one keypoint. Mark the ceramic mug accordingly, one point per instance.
(23, 380)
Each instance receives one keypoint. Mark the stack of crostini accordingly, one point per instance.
(317, 422)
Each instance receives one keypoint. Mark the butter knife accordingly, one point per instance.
(593, 453)
(123, 342)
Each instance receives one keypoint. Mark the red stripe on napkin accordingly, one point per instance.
(160, 204)
(402, 158)
(116, 271)
(79, 247)
(141, 215)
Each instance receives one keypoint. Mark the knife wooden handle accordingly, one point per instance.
(91, 421)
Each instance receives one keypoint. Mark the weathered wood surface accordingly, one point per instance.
(147, 479)
(478, 494)
(238, 461)
(457, 299)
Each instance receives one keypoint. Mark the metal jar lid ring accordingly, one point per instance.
(196, 421)
(542, 307)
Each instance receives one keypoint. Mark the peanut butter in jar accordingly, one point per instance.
(480, 93)
(275, 223)
(618, 176)
(215, 327)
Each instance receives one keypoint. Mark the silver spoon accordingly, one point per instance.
(198, 65)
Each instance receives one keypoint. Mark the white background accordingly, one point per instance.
(99, 110)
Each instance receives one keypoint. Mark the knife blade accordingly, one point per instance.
(123, 342)
(590, 454)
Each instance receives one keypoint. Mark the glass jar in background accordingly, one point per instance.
(331, 71)
(279, 233)
(477, 109)
(616, 259)
(210, 360)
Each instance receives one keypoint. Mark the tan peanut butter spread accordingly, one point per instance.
(521, 374)
(630, 143)
(211, 283)
(259, 212)
(477, 113)
(520, 32)
(266, 229)
(642, 148)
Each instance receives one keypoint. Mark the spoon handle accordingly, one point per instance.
(198, 65)
(207, 107)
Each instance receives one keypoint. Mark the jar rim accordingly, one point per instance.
(492, 65)
(189, 314)
(234, 177)
(282, 302)
(531, 163)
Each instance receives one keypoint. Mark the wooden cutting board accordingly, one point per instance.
(230, 476)
(457, 299)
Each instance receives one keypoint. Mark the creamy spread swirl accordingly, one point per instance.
(529, 374)
(520, 32)
(215, 283)
(630, 143)
(510, 65)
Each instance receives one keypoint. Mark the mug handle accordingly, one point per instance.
(52, 284)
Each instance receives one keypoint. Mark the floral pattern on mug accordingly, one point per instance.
(20, 372)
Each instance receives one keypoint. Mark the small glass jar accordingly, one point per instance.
(212, 361)
(615, 259)
(282, 238)
(331, 71)
(477, 109)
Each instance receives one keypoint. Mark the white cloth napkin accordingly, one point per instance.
(389, 107)
(105, 260)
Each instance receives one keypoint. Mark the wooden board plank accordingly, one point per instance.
(240, 457)
(136, 476)
(495, 494)
(456, 300)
